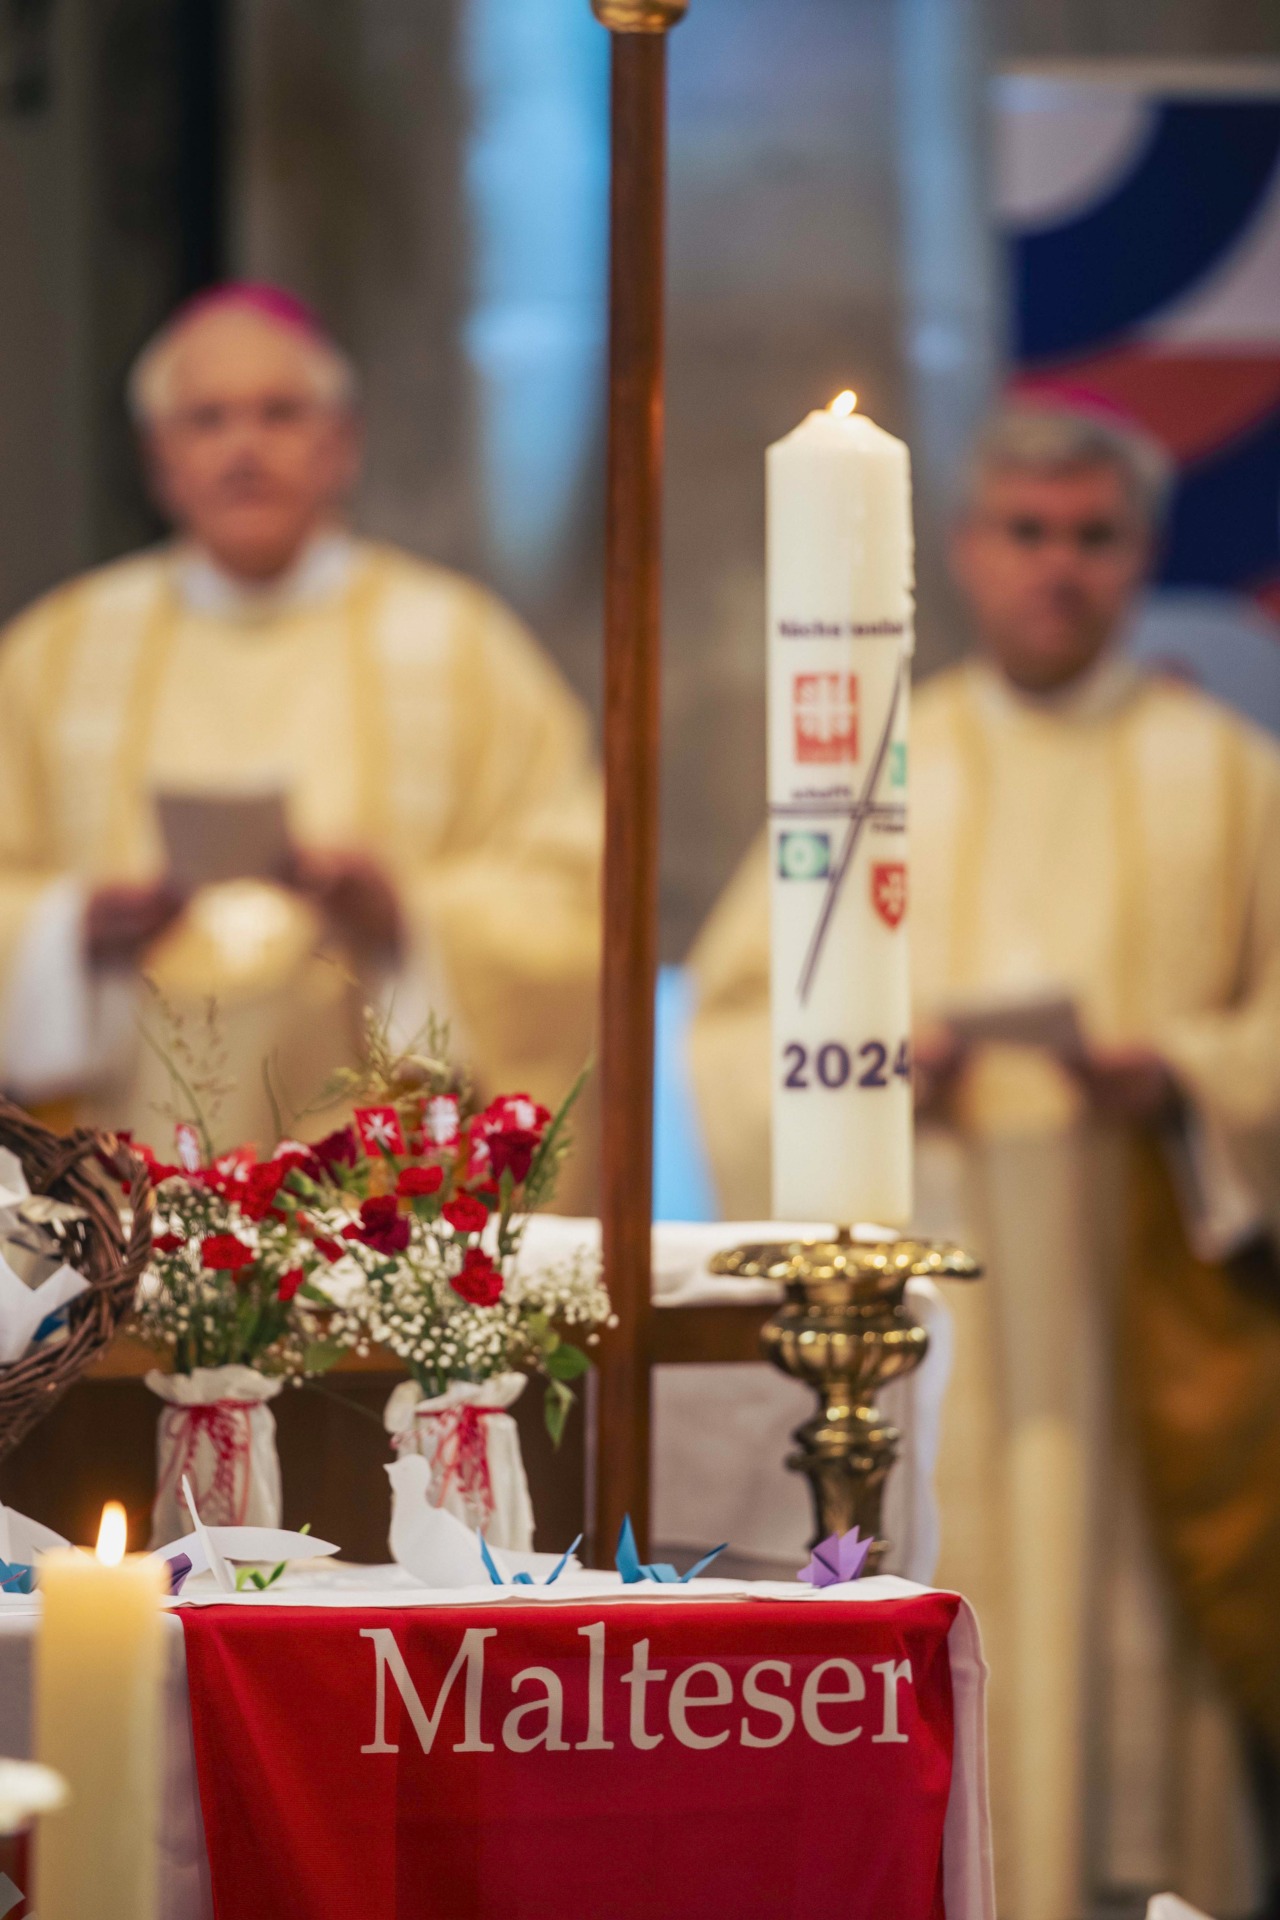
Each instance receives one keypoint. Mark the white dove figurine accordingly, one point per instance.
(427, 1542)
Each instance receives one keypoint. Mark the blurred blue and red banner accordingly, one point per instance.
(1142, 215)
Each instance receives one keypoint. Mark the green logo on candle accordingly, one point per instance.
(804, 856)
(898, 763)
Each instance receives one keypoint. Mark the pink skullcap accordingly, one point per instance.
(1045, 390)
(253, 296)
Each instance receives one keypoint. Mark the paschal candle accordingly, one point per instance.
(840, 605)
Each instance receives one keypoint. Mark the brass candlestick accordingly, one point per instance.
(845, 1330)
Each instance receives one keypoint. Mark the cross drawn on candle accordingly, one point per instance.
(858, 813)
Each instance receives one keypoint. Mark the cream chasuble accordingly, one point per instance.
(1122, 845)
(405, 713)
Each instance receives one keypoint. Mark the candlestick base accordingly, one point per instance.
(845, 1330)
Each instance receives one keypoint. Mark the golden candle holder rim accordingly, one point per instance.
(639, 16)
(886, 1263)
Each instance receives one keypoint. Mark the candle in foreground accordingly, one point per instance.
(97, 1721)
(840, 642)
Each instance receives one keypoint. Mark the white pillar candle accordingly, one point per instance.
(840, 640)
(97, 1721)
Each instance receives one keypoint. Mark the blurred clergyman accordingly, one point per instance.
(1085, 835)
(435, 773)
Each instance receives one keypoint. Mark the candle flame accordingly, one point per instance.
(843, 404)
(113, 1534)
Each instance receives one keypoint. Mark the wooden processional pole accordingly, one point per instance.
(633, 641)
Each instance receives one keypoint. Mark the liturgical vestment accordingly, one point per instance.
(403, 713)
(1119, 844)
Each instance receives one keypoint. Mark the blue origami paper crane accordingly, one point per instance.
(633, 1569)
(840, 1557)
(526, 1579)
(16, 1578)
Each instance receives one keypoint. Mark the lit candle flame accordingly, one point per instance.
(843, 404)
(113, 1534)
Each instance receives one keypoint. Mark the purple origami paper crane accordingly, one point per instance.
(840, 1557)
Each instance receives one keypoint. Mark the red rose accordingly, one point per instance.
(414, 1181)
(339, 1148)
(466, 1214)
(480, 1282)
(225, 1253)
(167, 1242)
(289, 1283)
(381, 1227)
(512, 1153)
(511, 1129)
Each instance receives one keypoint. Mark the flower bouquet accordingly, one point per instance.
(234, 1292)
(428, 1194)
(402, 1227)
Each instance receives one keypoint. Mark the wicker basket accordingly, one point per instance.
(74, 1167)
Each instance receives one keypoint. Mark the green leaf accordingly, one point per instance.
(566, 1362)
(319, 1356)
(556, 1408)
(540, 1180)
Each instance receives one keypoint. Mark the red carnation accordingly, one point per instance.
(466, 1214)
(289, 1283)
(167, 1242)
(480, 1282)
(415, 1181)
(225, 1253)
(302, 1158)
(262, 1184)
(381, 1227)
(515, 1113)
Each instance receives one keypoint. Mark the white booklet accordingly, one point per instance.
(210, 837)
(1044, 1017)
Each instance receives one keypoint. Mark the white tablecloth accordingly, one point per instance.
(184, 1880)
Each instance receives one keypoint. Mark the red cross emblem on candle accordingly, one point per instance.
(889, 890)
(825, 707)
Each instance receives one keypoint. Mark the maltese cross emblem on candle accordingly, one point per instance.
(889, 890)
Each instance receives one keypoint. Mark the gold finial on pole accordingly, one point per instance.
(639, 16)
(845, 1330)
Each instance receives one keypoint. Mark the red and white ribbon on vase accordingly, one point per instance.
(217, 1429)
(457, 1446)
(193, 1439)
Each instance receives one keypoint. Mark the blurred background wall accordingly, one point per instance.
(432, 174)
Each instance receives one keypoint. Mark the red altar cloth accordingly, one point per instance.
(615, 1760)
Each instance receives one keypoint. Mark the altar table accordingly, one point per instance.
(754, 1749)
